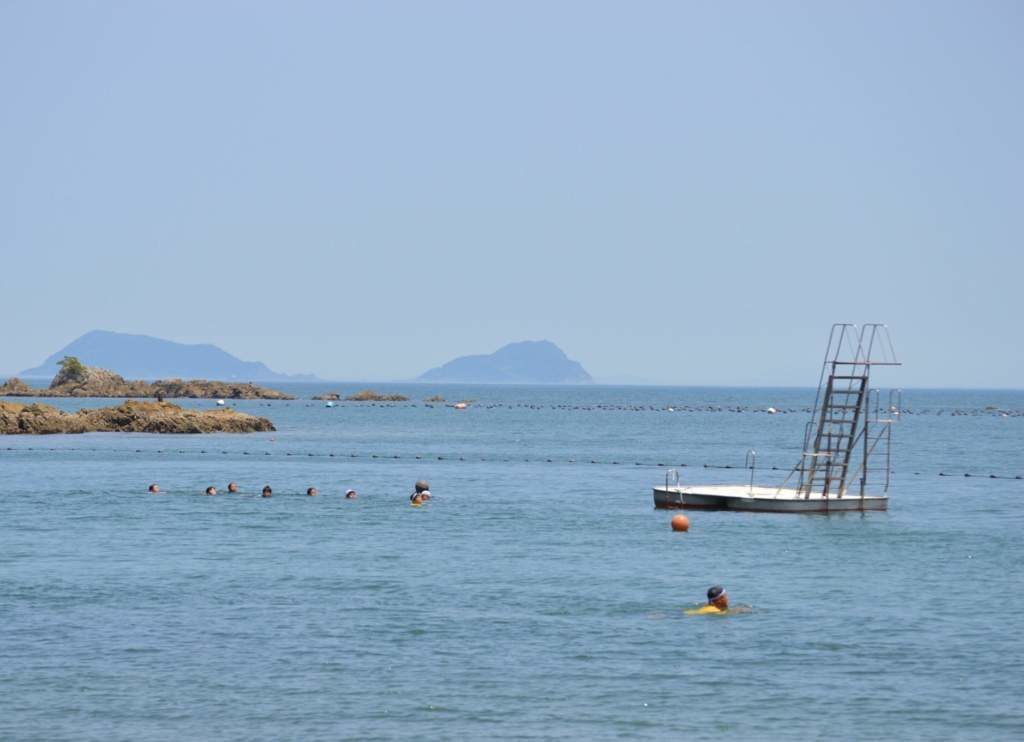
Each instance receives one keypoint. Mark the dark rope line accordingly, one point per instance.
(671, 408)
(472, 459)
(224, 493)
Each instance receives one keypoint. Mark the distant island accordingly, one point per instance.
(527, 362)
(144, 357)
(75, 379)
(128, 417)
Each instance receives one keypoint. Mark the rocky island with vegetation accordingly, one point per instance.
(128, 417)
(75, 379)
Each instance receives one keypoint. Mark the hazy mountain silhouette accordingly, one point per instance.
(144, 357)
(528, 362)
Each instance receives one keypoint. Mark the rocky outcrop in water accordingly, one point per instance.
(368, 395)
(129, 417)
(77, 380)
(18, 388)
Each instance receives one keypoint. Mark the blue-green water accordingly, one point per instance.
(531, 598)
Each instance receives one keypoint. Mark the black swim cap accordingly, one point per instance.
(421, 485)
(715, 592)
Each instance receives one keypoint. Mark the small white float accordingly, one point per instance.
(220, 403)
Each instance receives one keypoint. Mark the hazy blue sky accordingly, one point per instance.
(685, 193)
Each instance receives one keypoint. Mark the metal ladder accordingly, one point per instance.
(842, 406)
(840, 420)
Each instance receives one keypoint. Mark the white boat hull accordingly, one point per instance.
(762, 500)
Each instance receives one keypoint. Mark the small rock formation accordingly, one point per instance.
(129, 417)
(329, 397)
(435, 399)
(15, 387)
(77, 380)
(368, 395)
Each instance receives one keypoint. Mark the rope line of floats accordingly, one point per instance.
(471, 459)
(990, 411)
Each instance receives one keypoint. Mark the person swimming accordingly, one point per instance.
(416, 500)
(232, 487)
(718, 602)
(312, 492)
(350, 495)
(154, 488)
(267, 492)
(421, 490)
(211, 490)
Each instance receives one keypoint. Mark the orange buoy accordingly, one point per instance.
(680, 523)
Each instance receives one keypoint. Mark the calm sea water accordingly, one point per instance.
(539, 595)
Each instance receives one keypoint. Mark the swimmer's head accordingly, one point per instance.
(350, 494)
(417, 499)
(232, 487)
(267, 492)
(425, 495)
(312, 492)
(154, 488)
(717, 597)
(421, 486)
(211, 490)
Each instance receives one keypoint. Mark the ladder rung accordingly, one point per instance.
(843, 406)
(839, 420)
(850, 378)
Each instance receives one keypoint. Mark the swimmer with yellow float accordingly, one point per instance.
(718, 604)
(420, 495)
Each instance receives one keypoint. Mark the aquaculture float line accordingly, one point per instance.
(468, 459)
(990, 411)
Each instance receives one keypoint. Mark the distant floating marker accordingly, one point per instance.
(680, 523)
(329, 404)
(220, 402)
(771, 410)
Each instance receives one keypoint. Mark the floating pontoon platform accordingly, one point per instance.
(760, 499)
